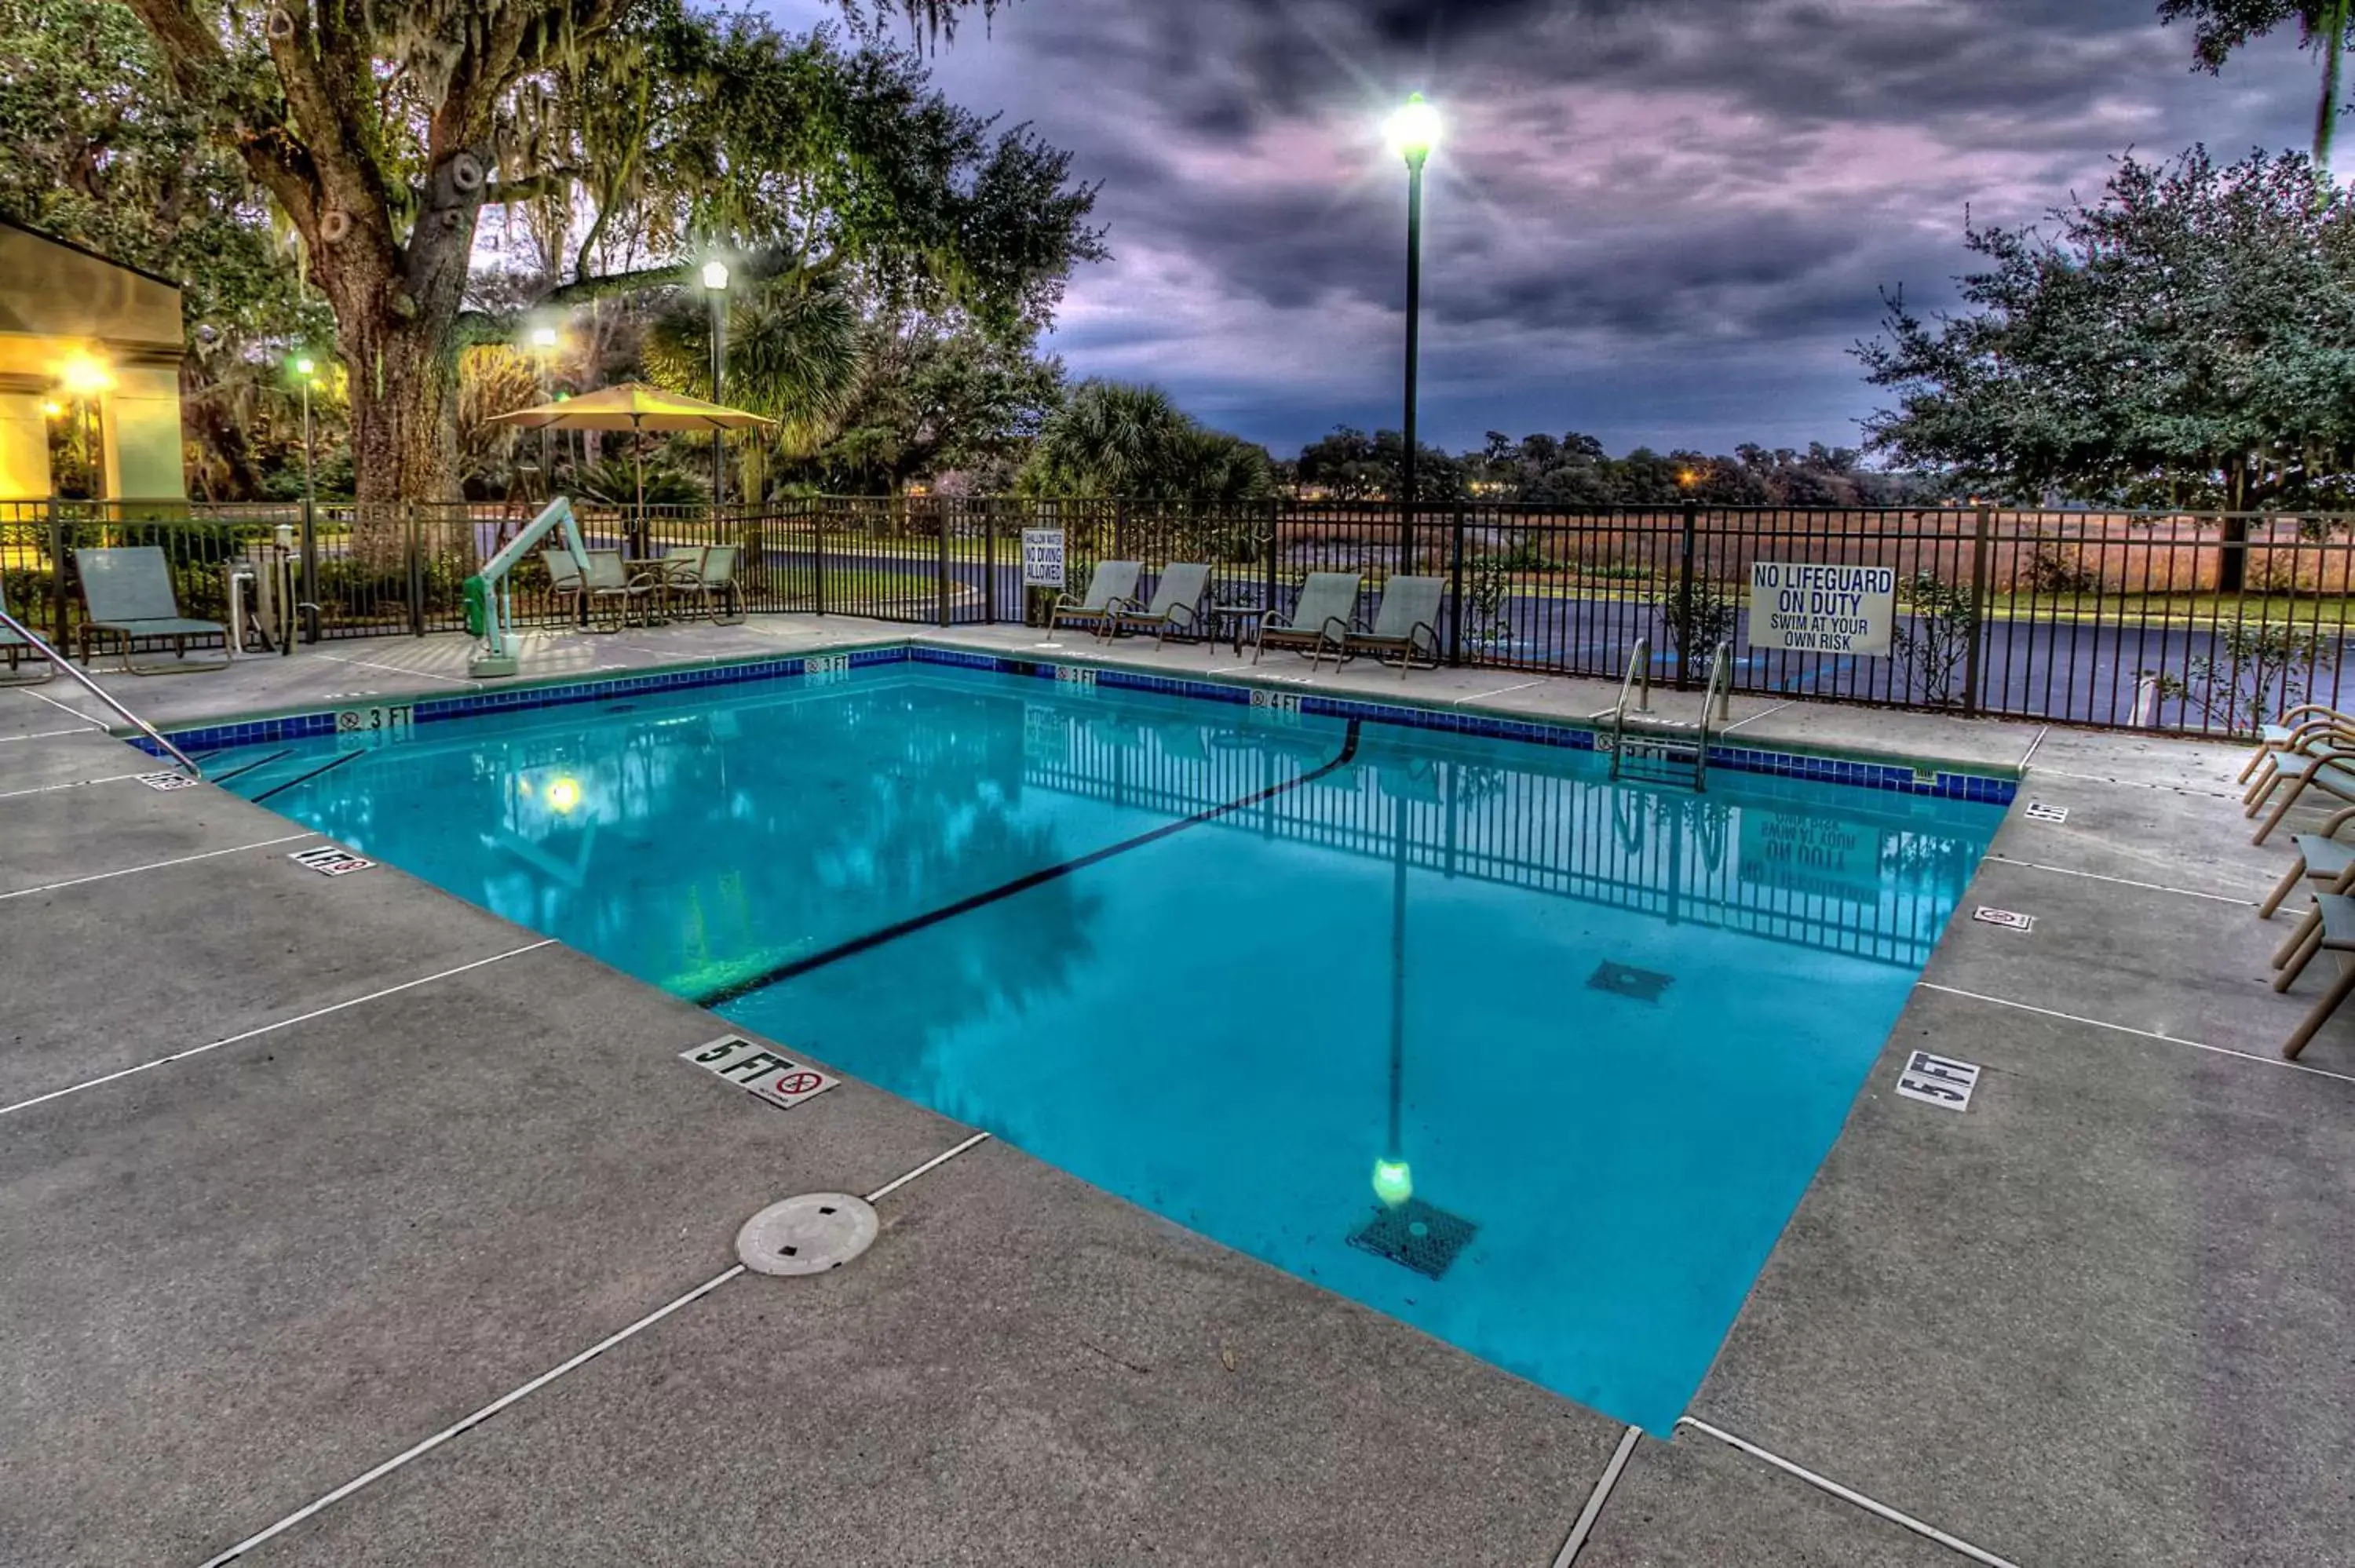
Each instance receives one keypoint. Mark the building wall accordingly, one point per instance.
(57, 302)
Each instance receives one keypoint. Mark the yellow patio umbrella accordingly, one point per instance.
(636, 407)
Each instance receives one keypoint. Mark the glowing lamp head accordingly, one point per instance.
(563, 795)
(1415, 129)
(714, 275)
(304, 365)
(1393, 1183)
(84, 375)
(53, 408)
(543, 337)
(1688, 479)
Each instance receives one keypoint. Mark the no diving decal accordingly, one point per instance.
(760, 1071)
(331, 860)
(1939, 1080)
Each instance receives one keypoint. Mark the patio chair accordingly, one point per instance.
(2325, 765)
(127, 592)
(15, 648)
(611, 584)
(1177, 606)
(2294, 725)
(2330, 929)
(564, 584)
(1320, 619)
(1112, 588)
(1406, 624)
(2321, 860)
(2310, 734)
(711, 582)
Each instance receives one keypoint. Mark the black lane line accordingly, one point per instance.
(891, 933)
(224, 777)
(301, 778)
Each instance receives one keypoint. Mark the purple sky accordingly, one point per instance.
(1658, 221)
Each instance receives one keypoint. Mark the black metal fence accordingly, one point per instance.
(2196, 624)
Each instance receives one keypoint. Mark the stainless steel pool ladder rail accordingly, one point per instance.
(59, 662)
(1639, 669)
(1717, 701)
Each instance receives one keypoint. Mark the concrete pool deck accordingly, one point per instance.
(298, 1173)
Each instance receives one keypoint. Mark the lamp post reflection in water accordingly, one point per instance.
(1393, 1183)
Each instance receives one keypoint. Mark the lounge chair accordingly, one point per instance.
(1320, 619)
(2323, 765)
(1177, 606)
(2330, 929)
(14, 648)
(1112, 588)
(1406, 624)
(128, 594)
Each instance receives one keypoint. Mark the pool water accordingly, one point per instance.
(1458, 1028)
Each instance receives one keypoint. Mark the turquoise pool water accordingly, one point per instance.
(1458, 1028)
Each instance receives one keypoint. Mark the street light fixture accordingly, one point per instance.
(1413, 131)
(715, 289)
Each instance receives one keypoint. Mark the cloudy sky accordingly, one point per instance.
(1658, 221)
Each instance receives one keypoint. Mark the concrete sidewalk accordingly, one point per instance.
(298, 1172)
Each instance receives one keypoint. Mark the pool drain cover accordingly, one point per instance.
(1424, 1239)
(808, 1235)
(1625, 980)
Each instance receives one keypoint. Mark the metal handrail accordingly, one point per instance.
(1716, 699)
(58, 661)
(1639, 660)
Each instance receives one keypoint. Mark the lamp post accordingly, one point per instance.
(715, 289)
(543, 350)
(303, 370)
(305, 374)
(1414, 130)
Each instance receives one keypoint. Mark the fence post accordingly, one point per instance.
(57, 576)
(417, 567)
(1455, 588)
(310, 617)
(1980, 572)
(941, 564)
(1684, 595)
(989, 560)
(818, 548)
(1275, 518)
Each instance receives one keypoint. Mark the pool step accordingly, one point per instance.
(1660, 751)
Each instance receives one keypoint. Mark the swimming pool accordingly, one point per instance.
(1458, 1027)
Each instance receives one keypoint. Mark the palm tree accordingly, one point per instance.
(794, 353)
(1110, 437)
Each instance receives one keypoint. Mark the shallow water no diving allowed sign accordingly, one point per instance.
(1799, 607)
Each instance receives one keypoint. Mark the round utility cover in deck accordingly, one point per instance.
(808, 1235)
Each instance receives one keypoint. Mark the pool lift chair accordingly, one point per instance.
(490, 609)
(1647, 747)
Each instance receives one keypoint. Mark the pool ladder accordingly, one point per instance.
(1648, 748)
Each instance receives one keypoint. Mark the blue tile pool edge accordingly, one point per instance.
(1899, 777)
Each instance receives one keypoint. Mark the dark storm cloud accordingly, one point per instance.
(1663, 220)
